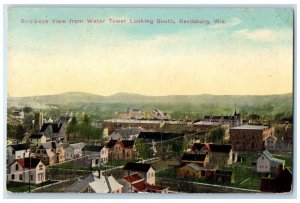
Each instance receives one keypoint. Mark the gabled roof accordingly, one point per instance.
(80, 185)
(55, 128)
(225, 148)
(77, 145)
(158, 136)
(270, 136)
(133, 178)
(270, 157)
(111, 143)
(142, 167)
(193, 157)
(126, 132)
(29, 162)
(92, 148)
(36, 136)
(126, 143)
(19, 147)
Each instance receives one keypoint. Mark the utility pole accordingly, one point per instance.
(29, 171)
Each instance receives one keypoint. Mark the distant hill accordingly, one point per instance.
(79, 98)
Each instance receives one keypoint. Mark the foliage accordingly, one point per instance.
(15, 132)
(216, 135)
(143, 149)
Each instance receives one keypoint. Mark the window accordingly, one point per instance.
(96, 161)
(31, 177)
(41, 167)
(20, 177)
(13, 152)
(13, 176)
(40, 177)
(17, 167)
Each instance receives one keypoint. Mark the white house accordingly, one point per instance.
(17, 151)
(98, 155)
(146, 171)
(74, 151)
(270, 142)
(37, 139)
(97, 183)
(27, 170)
(266, 163)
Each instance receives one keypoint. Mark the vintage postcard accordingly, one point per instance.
(168, 100)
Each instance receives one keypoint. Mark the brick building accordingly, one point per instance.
(248, 137)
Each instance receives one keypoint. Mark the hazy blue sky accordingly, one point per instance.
(252, 53)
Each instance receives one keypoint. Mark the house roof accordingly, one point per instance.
(193, 166)
(270, 136)
(50, 145)
(158, 136)
(193, 157)
(225, 148)
(19, 147)
(36, 135)
(104, 184)
(270, 157)
(133, 178)
(111, 143)
(29, 162)
(92, 148)
(142, 167)
(77, 145)
(126, 132)
(126, 143)
(55, 128)
(142, 186)
(80, 185)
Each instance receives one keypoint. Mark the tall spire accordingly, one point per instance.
(235, 111)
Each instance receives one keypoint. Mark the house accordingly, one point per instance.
(121, 149)
(27, 170)
(195, 170)
(125, 134)
(146, 171)
(97, 155)
(280, 184)
(36, 139)
(74, 151)
(248, 137)
(270, 142)
(134, 183)
(17, 151)
(265, 163)
(219, 154)
(54, 131)
(96, 183)
(50, 153)
(200, 159)
(195, 166)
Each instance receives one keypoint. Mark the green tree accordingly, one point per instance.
(142, 149)
(19, 132)
(216, 135)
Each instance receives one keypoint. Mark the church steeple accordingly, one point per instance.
(234, 111)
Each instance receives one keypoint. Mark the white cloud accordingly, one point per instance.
(260, 34)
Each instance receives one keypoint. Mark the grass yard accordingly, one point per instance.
(24, 187)
(70, 165)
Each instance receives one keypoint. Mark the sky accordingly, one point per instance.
(250, 54)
